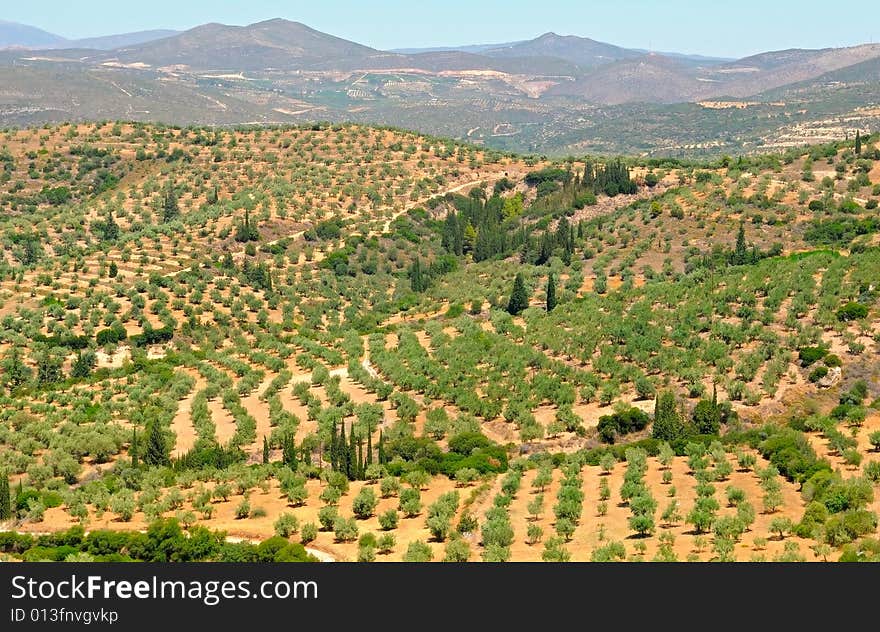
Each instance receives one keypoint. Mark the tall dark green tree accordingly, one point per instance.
(113, 270)
(519, 297)
(706, 417)
(351, 463)
(551, 293)
(417, 277)
(265, 450)
(858, 143)
(157, 451)
(247, 231)
(170, 209)
(380, 449)
(48, 368)
(83, 364)
(334, 453)
(288, 451)
(15, 372)
(111, 228)
(668, 423)
(134, 450)
(5, 498)
(369, 457)
(740, 253)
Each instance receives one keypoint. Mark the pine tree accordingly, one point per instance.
(157, 452)
(858, 143)
(265, 450)
(551, 293)
(519, 298)
(5, 498)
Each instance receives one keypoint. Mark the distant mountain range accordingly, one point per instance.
(22, 36)
(541, 94)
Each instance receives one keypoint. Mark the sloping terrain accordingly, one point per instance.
(329, 332)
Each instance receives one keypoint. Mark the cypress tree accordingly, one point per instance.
(133, 451)
(380, 449)
(416, 277)
(551, 293)
(111, 228)
(342, 452)
(351, 465)
(740, 255)
(369, 460)
(547, 245)
(858, 143)
(360, 461)
(5, 498)
(668, 424)
(265, 450)
(170, 209)
(519, 298)
(334, 456)
(289, 451)
(157, 452)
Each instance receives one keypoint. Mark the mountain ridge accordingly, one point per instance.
(548, 93)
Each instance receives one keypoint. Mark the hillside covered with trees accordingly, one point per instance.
(269, 344)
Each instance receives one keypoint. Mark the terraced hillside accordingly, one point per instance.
(388, 346)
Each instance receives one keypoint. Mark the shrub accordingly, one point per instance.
(286, 525)
(811, 355)
(818, 373)
(388, 520)
(385, 543)
(364, 504)
(621, 423)
(852, 311)
(308, 533)
(243, 510)
(418, 551)
(345, 529)
(327, 517)
(457, 550)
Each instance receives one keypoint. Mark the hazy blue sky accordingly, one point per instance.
(731, 29)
